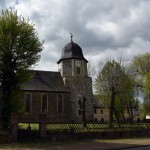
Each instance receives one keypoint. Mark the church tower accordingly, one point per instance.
(73, 68)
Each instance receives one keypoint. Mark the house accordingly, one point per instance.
(101, 113)
(63, 95)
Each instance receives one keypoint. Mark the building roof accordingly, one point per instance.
(45, 81)
(72, 51)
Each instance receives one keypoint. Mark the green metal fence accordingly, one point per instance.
(91, 127)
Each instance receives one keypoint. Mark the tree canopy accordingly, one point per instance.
(20, 49)
(141, 63)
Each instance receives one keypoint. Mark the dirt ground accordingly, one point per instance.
(79, 145)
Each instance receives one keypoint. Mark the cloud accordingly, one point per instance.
(101, 27)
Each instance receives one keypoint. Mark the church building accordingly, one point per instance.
(64, 95)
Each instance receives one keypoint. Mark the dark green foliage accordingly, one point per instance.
(19, 51)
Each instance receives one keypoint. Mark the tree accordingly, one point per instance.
(19, 51)
(146, 89)
(141, 65)
(79, 87)
(146, 106)
(114, 84)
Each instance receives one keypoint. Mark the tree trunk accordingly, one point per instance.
(5, 110)
(117, 118)
(111, 112)
(128, 110)
(131, 112)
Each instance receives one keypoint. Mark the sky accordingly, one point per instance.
(102, 28)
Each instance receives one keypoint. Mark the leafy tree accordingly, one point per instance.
(19, 51)
(116, 87)
(146, 89)
(141, 65)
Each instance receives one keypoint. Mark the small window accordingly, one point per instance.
(28, 103)
(95, 111)
(44, 103)
(60, 103)
(78, 70)
(101, 111)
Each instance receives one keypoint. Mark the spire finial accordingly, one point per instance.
(71, 36)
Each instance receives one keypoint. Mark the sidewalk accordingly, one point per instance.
(81, 145)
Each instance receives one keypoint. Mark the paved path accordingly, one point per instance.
(138, 148)
(83, 145)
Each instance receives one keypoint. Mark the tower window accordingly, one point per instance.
(78, 70)
(28, 102)
(44, 103)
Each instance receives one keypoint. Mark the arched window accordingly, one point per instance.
(44, 103)
(28, 98)
(60, 103)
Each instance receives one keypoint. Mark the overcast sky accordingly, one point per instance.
(102, 28)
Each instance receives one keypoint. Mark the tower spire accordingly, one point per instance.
(71, 37)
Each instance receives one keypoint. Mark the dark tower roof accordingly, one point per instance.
(72, 51)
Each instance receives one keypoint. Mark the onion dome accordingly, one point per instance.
(72, 51)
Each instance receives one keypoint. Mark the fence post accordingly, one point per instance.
(14, 127)
(42, 125)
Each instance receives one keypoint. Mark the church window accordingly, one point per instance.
(28, 98)
(44, 103)
(79, 100)
(60, 103)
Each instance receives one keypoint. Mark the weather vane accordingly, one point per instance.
(71, 36)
